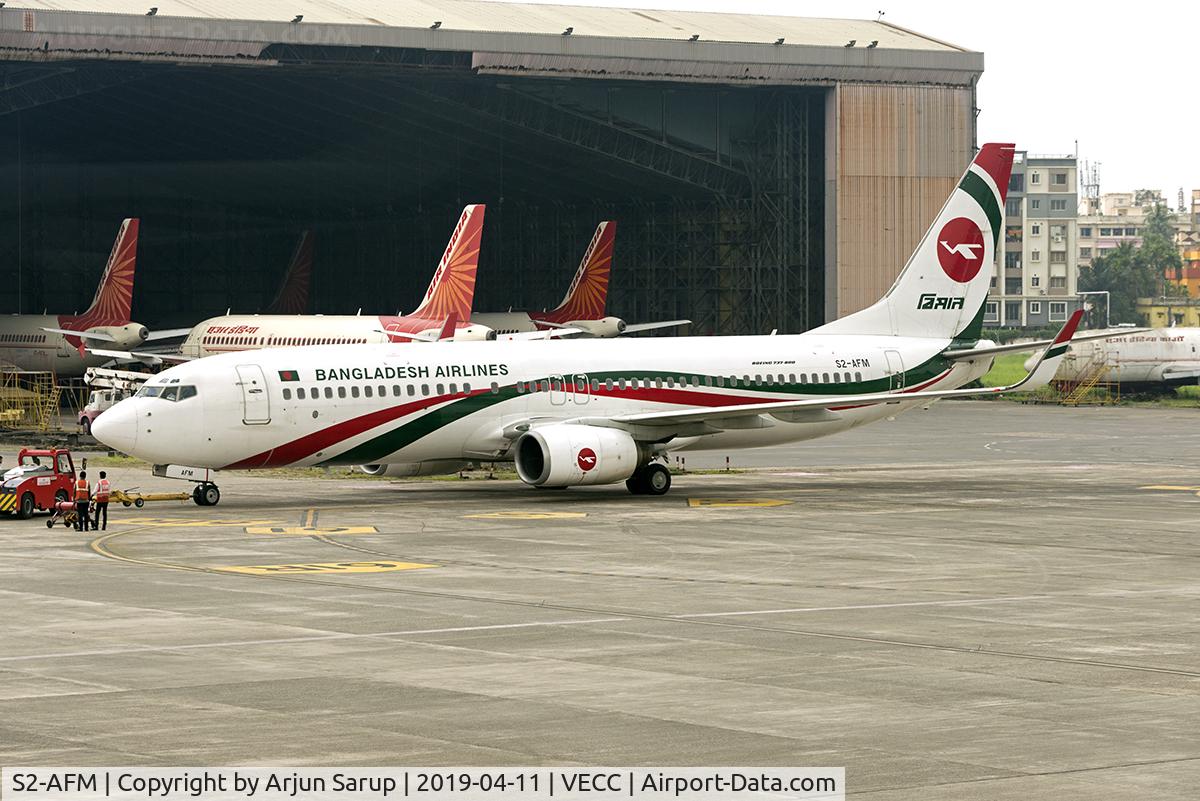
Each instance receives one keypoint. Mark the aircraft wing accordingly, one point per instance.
(141, 356)
(82, 334)
(817, 409)
(633, 329)
(971, 353)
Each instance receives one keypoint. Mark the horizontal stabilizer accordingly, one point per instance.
(96, 335)
(633, 329)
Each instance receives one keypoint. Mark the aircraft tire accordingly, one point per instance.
(656, 479)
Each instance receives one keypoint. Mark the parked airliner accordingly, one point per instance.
(595, 411)
(583, 308)
(1143, 359)
(56, 343)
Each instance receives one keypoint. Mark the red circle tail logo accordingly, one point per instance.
(586, 459)
(960, 249)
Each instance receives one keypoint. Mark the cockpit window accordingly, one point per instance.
(170, 393)
(187, 392)
(149, 392)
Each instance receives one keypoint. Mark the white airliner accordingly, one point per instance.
(449, 296)
(1158, 357)
(56, 343)
(594, 411)
(584, 306)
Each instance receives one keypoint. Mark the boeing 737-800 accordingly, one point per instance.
(56, 343)
(595, 411)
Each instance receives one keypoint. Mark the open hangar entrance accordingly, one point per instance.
(746, 193)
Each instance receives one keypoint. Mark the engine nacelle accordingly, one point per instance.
(474, 333)
(129, 335)
(604, 327)
(410, 469)
(566, 455)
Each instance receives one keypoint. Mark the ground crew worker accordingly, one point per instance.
(103, 489)
(83, 499)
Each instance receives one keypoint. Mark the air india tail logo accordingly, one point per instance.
(586, 459)
(960, 249)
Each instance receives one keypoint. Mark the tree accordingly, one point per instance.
(1158, 248)
(1128, 273)
(1126, 276)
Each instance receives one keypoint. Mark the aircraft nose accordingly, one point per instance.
(117, 427)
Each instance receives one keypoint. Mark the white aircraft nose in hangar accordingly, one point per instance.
(117, 427)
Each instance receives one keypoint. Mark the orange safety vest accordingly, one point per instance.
(81, 489)
(102, 490)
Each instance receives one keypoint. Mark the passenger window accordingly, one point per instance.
(858, 377)
(395, 390)
(441, 389)
(299, 393)
(595, 385)
(329, 392)
(287, 394)
(354, 391)
(837, 378)
(495, 388)
(620, 383)
(412, 390)
(791, 378)
(368, 391)
(670, 382)
(824, 378)
(846, 378)
(425, 390)
(341, 392)
(708, 382)
(454, 389)
(466, 389)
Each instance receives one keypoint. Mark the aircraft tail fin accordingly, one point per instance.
(452, 289)
(942, 290)
(293, 293)
(113, 303)
(587, 295)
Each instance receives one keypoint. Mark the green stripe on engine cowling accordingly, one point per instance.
(406, 434)
(982, 194)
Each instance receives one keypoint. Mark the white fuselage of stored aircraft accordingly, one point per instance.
(405, 405)
(1157, 356)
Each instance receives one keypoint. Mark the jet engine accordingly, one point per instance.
(410, 469)
(473, 333)
(604, 327)
(566, 454)
(124, 337)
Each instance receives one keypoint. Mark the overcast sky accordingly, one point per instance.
(1123, 80)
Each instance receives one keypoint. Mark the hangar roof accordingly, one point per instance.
(504, 17)
(606, 42)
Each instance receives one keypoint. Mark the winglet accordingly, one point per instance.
(453, 286)
(293, 293)
(587, 295)
(1047, 364)
(449, 327)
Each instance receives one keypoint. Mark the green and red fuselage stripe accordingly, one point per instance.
(446, 409)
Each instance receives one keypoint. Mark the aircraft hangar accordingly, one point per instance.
(765, 172)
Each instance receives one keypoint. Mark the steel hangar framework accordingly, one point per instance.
(757, 185)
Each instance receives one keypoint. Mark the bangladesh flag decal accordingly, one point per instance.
(289, 375)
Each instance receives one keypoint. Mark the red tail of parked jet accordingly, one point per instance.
(293, 295)
(587, 296)
(113, 303)
(452, 290)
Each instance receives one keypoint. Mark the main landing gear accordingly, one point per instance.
(650, 479)
(206, 494)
